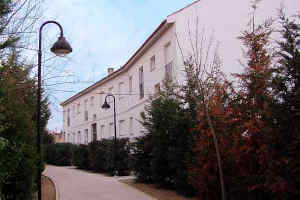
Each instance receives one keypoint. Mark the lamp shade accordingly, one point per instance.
(61, 47)
(105, 105)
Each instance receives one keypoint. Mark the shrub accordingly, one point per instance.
(163, 154)
(81, 157)
(18, 169)
(102, 156)
(59, 154)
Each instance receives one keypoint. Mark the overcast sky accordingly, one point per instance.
(105, 33)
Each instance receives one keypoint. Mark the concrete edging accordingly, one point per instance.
(57, 196)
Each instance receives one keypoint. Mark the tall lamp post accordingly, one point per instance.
(107, 106)
(60, 48)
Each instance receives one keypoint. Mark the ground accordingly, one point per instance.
(73, 184)
(159, 194)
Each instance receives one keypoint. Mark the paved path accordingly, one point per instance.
(75, 184)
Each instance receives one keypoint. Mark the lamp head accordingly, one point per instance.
(105, 105)
(61, 47)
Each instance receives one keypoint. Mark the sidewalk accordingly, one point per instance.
(76, 184)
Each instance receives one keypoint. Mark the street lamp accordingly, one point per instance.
(106, 106)
(60, 48)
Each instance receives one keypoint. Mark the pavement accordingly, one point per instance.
(74, 184)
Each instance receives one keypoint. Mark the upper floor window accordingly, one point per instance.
(130, 84)
(68, 117)
(78, 108)
(86, 115)
(85, 104)
(152, 63)
(141, 82)
(169, 71)
(168, 62)
(121, 88)
(92, 100)
(94, 117)
(73, 111)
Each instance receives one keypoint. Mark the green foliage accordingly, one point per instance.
(18, 127)
(60, 154)
(162, 155)
(105, 157)
(81, 157)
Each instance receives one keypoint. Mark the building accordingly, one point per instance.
(58, 136)
(160, 57)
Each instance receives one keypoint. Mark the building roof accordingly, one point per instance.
(163, 26)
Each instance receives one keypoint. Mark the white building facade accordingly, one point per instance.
(159, 57)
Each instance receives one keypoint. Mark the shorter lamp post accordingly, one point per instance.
(106, 106)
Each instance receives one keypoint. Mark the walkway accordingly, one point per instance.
(76, 184)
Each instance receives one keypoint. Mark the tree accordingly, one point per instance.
(18, 127)
(163, 154)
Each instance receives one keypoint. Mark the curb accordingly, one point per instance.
(57, 196)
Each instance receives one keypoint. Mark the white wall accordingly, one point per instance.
(128, 106)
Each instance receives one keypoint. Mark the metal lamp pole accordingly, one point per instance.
(61, 47)
(107, 106)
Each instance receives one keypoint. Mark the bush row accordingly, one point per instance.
(98, 156)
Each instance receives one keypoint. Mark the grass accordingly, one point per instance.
(48, 189)
(159, 194)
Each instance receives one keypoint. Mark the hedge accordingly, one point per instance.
(60, 154)
(97, 156)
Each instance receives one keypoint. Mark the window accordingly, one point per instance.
(101, 100)
(78, 108)
(85, 104)
(94, 131)
(102, 131)
(79, 138)
(111, 130)
(168, 62)
(152, 63)
(157, 88)
(110, 91)
(86, 115)
(94, 117)
(130, 84)
(73, 111)
(68, 120)
(121, 86)
(141, 82)
(131, 125)
(64, 116)
(167, 53)
(121, 127)
(86, 136)
(69, 138)
(92, 100)
(169, 71)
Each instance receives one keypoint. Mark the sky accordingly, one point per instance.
(105, 33)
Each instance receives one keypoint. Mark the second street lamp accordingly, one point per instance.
(107, 106)
(61, 47)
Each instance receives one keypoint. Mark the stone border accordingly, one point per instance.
(57, 196)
